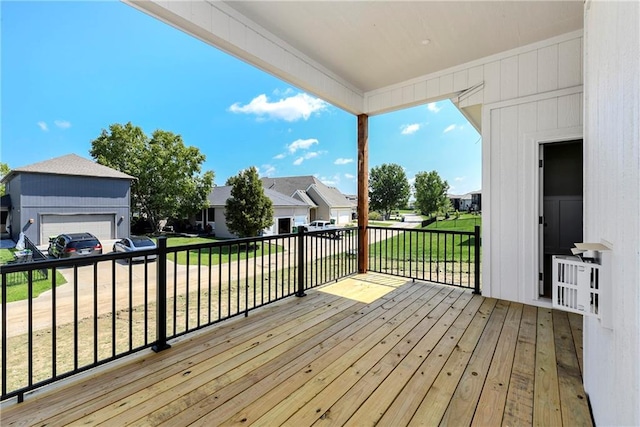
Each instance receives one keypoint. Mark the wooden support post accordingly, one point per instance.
(363, 193)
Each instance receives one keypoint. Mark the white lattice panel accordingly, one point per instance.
(576, 285)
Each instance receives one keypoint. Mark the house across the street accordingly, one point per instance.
(467, 202)
(326, 203)
(287, 212)
(67, 194)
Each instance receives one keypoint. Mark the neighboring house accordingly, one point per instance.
(466, 202)
(5, 207)
(326, 203)
(353, 199)
(65, 195)
(476, 201)
(287, 212)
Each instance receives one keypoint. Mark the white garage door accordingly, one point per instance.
(345, 217)
(342, 216)
(101, 226)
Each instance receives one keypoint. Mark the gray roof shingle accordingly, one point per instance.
(71, 164)
(219, 196)
(289, 185)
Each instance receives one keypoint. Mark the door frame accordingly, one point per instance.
(535, 142)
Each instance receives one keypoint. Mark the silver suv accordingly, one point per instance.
(74, 245)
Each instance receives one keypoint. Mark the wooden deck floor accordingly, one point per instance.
(368, 350)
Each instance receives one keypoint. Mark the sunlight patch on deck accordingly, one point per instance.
(363, 288)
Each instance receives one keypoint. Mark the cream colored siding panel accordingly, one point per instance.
(509, 177)
(509, 78)
(570, 111)
(528, 73)
(528, 202)
(408, 94)
(461, 80)
(180, 8)
(612, 203)
(492, 243)
(548, 68)
(201, 15)
(446, 84)
(396, 97)
(420, 90)
(492, 82)
(548, 114)
(476, 75)
(433, 88)
(220, 23)
(570, 63)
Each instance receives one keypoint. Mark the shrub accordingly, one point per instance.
(375, 216)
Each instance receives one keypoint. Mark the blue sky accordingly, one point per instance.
(70, 69)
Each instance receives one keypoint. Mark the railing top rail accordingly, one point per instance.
(422, 230)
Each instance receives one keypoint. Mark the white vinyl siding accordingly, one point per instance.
(612, 203)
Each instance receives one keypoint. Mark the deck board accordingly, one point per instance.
(518, 409)
(546, 409)
(370, 350)
(491, 403)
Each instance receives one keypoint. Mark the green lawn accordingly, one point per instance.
(380, 224)
(17, 282)
(425, 247)
(466, 222)
(219, 255)
(431, 246)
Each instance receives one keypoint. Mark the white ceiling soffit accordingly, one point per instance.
(374, 44)
(364, 46)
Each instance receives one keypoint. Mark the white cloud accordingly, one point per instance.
(349, 176)
(332, 181)
(433, 107)
(410, 129)
(307, 156)
(62, 124)
(266, 170)
(301, 144)
(342, 161)
(459, 178)
(449, 128)
(279, 156)
(43, 126)
(290, 109)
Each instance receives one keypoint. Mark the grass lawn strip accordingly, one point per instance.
(17, 288)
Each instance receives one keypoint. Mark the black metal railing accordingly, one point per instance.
(111, 307)
(447, 257)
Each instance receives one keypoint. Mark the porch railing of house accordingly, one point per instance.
(112, 307)
(446, 257)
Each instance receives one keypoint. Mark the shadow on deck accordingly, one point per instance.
(372, 349)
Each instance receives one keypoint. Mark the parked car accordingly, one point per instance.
(134, 244)
(74, 244)
(327, 227)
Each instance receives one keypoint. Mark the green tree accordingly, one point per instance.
(248, 210)
(169, 181)
(431, 193)
(4, 170)
(388, 188)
